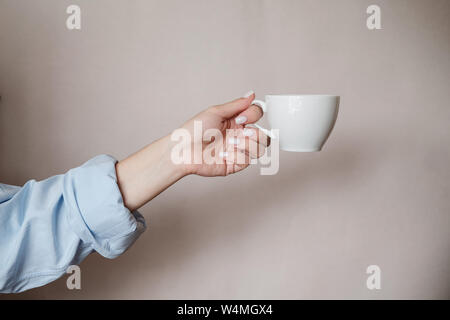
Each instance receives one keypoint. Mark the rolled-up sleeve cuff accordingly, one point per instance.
(96, 210)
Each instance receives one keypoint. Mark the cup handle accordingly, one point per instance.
(263, 106)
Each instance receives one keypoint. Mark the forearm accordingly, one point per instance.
(148, 172)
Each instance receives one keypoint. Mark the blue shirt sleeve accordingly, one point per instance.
(46, 226)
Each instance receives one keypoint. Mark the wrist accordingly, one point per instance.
(148, 172)
(179, 170)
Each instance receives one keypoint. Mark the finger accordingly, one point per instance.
(238, 166)
(233, 155)
(254, 134)
(235, 161)
(252, 148)
(250, 115)
(232, 108)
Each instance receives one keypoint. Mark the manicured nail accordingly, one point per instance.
(241, 119)
(234, 141)
(223, 154)
(248, 94)
(248, 132)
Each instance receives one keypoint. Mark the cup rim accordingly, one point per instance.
(303, 95)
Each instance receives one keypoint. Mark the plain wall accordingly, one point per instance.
(378, 193)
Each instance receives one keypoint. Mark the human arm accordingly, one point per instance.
(48, 225)
(148, 172)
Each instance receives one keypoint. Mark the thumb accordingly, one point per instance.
(232, 108)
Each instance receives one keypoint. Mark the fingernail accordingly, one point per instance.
(248, 132)
(240, 119)
(223, 154)
(248, 94)
(234, 141)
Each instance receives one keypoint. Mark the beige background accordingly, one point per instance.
(379, 192)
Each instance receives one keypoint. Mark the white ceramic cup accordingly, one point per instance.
(304, 121)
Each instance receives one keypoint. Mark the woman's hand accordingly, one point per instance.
(148, 172)
(234, 146)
